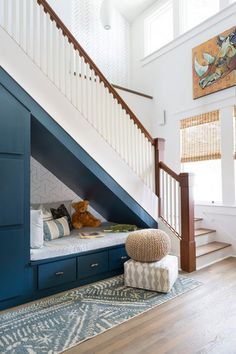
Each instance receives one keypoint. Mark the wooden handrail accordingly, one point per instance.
(132, 91)
(66, 32)
(169, 171)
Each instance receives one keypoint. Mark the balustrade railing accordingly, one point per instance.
(45, 39)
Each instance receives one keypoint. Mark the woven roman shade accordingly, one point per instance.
(200, 137)
(234, 132)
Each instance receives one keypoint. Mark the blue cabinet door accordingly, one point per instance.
(14, 195)
(11, 190)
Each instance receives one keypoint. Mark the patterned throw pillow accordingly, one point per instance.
(60, 212)
(56, 229)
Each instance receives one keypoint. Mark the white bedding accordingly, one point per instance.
(74, 244)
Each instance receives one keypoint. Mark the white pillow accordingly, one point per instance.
(36, 229)
(47, 214)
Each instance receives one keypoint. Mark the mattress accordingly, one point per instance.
(74, 244)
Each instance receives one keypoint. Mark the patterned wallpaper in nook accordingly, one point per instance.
(47, 188)
(109, 49)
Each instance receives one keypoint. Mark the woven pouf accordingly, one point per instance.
(156, 276)
(148, 245)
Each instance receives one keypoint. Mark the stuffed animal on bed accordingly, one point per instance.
(82, 217)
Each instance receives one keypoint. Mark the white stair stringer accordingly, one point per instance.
(28, 75)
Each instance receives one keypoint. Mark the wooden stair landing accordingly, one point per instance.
(203, 231)
(210, 247)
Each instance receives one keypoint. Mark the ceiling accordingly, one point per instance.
(132, 8)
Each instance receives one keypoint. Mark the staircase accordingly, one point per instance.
(208, 250)
(80, 123)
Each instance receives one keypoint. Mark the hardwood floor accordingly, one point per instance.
(202, 321)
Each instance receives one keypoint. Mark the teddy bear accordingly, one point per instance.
(82, 217)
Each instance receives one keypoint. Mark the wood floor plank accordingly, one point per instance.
(201, 321)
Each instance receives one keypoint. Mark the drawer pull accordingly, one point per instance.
(123, 257)
(94, 265)
(59, 274)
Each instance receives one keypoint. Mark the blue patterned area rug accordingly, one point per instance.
(60, 322)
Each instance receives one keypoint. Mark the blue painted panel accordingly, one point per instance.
(56, 273)
(12, 117)
(14, 196)
(12, 263)
(92, 264)
(11, 190)
(117, 258)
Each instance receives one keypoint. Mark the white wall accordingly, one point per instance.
(167, 75)
(109, 49)
(222, 219)
(143, 108)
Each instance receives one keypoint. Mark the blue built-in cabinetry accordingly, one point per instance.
(25, 129)
(14, 196)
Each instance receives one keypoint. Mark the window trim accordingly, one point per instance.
(148, 20)
(224, 13)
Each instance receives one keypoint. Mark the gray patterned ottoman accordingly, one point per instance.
(157, 276)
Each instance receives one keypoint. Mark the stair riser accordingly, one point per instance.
(204, 239)
(213, 257)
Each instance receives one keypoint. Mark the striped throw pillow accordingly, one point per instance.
(56, 228)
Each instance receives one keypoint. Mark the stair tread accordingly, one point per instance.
(210, 247)
(203, 231)
(198, 219)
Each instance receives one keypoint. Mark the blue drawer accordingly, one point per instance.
(56, 273)
(117, 258)
(92, 264)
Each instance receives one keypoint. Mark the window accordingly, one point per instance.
(174, 17)
(158, 28)
(194, 12)
(201, 154)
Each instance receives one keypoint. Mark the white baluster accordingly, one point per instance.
(22, 24)
(43, 48)
(37, 34)
(98, 104)
(73, 74)
(84, 87)
(171, 202)
(62, 64)
(78, 81)
(65, 68)
(88, 93)
(50, 54)
(56, 60)
(109, 118)
(6, 15)
(14, 19)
